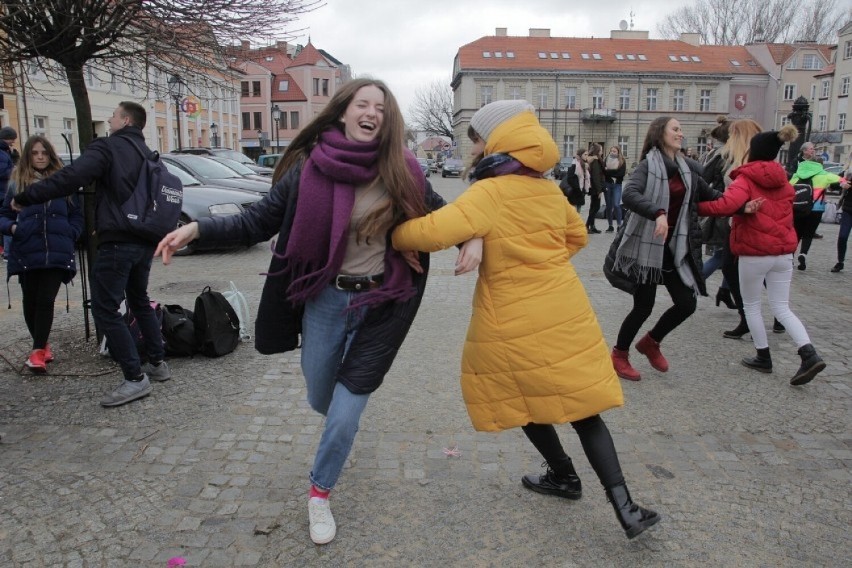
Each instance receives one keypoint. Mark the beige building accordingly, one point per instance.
(831, 109)
(608, 90)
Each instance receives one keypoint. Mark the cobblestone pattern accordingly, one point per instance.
(746, 470)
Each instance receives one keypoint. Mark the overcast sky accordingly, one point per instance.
(410, 43)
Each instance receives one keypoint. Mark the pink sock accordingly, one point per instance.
(317, 492)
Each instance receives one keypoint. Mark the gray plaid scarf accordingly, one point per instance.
(640, 255)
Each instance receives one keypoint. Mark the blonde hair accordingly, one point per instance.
(735, 151)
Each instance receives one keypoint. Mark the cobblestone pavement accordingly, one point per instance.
(745, 469)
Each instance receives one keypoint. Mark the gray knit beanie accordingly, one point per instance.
(8, 133)
(489, 117)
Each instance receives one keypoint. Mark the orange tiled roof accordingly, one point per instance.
(293, 92)
(781, 52)
(308, 56)
(826, 72)
(613, 55)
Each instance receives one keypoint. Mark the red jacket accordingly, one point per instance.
(769, 232)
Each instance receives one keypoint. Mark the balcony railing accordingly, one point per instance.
(598, 115)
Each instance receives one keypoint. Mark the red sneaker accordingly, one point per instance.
(651, 349)
(622, 366)
(48, 354)
(36, 361)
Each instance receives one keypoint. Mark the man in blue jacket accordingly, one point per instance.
(7, 138)
(123, 263)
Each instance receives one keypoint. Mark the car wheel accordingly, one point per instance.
(190, 248)
(443, 175)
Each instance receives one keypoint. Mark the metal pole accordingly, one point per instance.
(177, 121)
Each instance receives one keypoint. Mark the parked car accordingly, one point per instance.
(268, 160)
(232, 155)
(424, 165)
(562, 166)
(433, 166)
(207, 201)
(241, 169)
(452, 167)
(213, 173)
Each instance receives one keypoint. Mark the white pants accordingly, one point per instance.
(777, 272)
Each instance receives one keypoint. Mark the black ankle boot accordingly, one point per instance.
(561, 481)
(812, 364)
(633, 518)
(761, 362)
(739, 331)
(777, 327)
(723, 295)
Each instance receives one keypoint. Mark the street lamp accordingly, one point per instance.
(175, 84)
(276, 116)
(214, 130)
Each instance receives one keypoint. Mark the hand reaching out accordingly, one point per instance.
(176, 240)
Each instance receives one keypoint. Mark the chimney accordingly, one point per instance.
(691, 38)
(281, 45)
(500, 32)
(245, 44)
(539, 32)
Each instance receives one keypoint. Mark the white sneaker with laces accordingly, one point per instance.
(322, 524)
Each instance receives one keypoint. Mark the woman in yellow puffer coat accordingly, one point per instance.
(534, 355)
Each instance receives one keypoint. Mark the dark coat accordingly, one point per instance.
(279, 322)
(616, 175)
(635, 201)
(113, 164)
(6, 165)
(715, 231)
(45, 234)
(597, 179)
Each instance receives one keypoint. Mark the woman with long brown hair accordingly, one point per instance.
(342, 185)
(43, 241)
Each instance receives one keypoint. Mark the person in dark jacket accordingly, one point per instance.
(342, 185)
(614, 169)
(43, 239)
(123, 263)
(660, 244)
(765, 243)
(7, 162)
(597, 183)
(845, 205)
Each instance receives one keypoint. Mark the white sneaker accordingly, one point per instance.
(323, 528)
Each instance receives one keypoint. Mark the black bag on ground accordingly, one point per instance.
(217, 327)
(803, 199)
(179, 331)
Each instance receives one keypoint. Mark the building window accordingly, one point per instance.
(567, 145)
(571, 97)
(841, 121)
(822, 121)
(68, 129)
(40, 124)
(160, 142)
(623, 145)
(255, 88)
(789, 92)
(811, 61)
(542, 97)
(813, 91)
(785, 120)
(316, 87)
(826, 87)
(651, 99)
(847, 50)
(282, 122)
(294, 120)
(284, 85)
(704, 100)
(90, 76)
(258, 120)
(624, 99)
(597, 97)
(515, 93)
(844, 86)
(325, 87)
(677, 101)
(486, 94)
(702, 146)
(244, 88)
(246, 121)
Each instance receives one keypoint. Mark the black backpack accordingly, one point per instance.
(217, 327)
(803, 199)
(154, 207)
(179, 331)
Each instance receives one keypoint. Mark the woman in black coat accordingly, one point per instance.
(597, 180)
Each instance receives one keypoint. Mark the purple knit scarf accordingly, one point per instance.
(317, 243)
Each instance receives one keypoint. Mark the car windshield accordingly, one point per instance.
(184, 177)
(452, 163)
(209, 168)
(234, 155)
(234, 165)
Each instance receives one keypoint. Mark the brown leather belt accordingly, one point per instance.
(358, 283)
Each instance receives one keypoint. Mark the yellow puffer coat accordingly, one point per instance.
(534, 350)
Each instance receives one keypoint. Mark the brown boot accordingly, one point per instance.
(623, 368)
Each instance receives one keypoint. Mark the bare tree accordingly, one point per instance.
(736, 22)
(432, 109)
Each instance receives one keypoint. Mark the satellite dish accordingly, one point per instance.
(622, 25)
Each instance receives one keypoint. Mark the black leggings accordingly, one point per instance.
(39, 289)
(806, 228)
(594, 207)
(731, 272)
(596, 441)
(643, 304)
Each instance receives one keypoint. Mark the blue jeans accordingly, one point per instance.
(843, 237)
(7, 245)
(121, 271)
(327, 331)
(713, 264)
(613, 203)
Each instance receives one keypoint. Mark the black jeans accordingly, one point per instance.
(806, 228)
(596, 441)
(121, 270)
(39, 289)
(731, 272)
(594, 207)
(643, 304)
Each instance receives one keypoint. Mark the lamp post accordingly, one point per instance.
(175, 84)
(276, 116)
(214, 130)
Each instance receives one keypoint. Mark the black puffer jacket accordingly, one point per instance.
(635, 200)
(716, 231)
(279, 322)
(597, 178)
